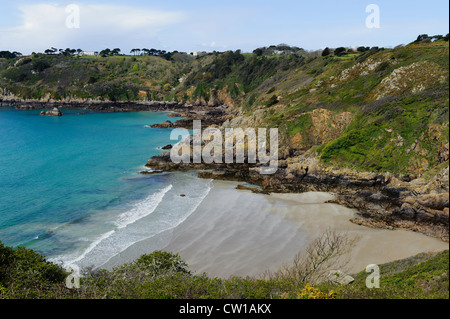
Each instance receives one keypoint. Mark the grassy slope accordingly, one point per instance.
(117, 78)
(286, 90)
(400, 122)
(161, 275)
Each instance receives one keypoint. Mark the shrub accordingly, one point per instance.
(272, 101)
(340, 51)
(40, 65)
(309, 292)
(326, 52)
(343, 143)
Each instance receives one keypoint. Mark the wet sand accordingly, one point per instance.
(237, 232)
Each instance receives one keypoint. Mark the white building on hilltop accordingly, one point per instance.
(88, 53)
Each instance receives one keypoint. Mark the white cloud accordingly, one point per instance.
(44, 25)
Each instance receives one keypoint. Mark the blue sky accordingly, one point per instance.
(198, 25)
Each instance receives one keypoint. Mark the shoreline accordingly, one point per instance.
(241, 233)
(107, 106)
(370, 189)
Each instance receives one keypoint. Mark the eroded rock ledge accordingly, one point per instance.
(381, 200)
(109, 106)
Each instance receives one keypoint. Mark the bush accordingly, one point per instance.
(25, 273)
(326, 52)
(40, 65)
(340, 51)
(272, 101)
(343, 143)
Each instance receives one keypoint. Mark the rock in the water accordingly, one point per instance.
(54, 112)
(25, 107)
(167, 147)
(165, 124)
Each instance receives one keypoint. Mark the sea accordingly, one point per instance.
(71, 188)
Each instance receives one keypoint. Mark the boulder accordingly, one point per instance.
(54, 112)
(165, 124)
(338, 277)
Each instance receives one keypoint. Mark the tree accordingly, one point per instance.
(258, 52)
(115, 51)
(9, 55)
(68, 51)
(363, 49)
(421, 37)
(326, 52)
(327, 252)
(52, 50)
(340, 51)
(105, 52)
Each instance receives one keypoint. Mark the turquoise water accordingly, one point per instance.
(70, 188)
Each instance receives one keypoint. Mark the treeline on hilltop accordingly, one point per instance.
(397, 97)
(281, 49)
(150, 74)
(147, 74)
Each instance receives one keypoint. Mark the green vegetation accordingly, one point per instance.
(396, 101)
(398, 98)
(115, 78)
(393, 134)
(26, 274)
(301, 124)
(162, 275)
(417, 277)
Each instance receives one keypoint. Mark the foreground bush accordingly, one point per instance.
(162, 275)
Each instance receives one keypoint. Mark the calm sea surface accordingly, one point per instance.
(70, 188)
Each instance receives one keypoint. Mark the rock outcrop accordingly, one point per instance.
(380, 200)
(210, 116)
(54, 112)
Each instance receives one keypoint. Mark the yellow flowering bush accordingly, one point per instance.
(309, 292)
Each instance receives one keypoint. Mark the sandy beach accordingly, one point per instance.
(237, 232)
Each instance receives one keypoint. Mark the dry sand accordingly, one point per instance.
(237, 232)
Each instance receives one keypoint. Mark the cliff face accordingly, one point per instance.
(371, 127)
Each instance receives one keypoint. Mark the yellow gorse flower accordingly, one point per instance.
(309, 292)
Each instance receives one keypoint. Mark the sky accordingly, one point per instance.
(200, 25)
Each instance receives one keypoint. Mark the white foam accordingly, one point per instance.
(171, 225)
(168, 212)
(208, 189)
(141, 209)
(92, 246)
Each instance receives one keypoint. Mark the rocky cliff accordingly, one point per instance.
(373, 130)
(371, 127)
